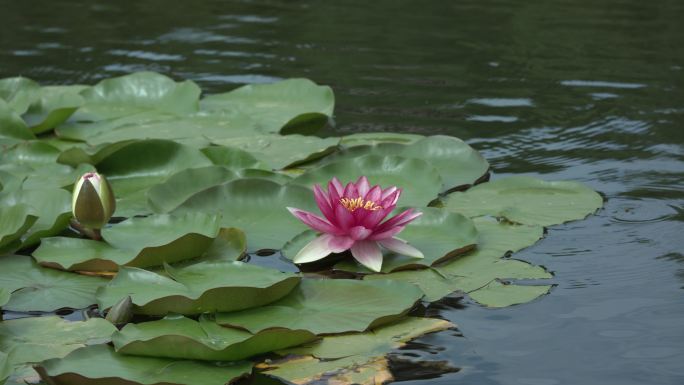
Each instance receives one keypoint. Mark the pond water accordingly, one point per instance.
(582, 90)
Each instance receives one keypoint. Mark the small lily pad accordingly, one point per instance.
(203, 340)
(36, 288)
(256, 206)
(290, 106)
(330, 306)
(527, 200)
(419, 180)
(198, 288)
(497, 294)
(100, 365)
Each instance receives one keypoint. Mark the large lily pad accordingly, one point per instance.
(483, 266)
(32, 340)
(181, 337)
(438, 233)
(53, 107)
(140, 242)
(33, 153)
(19, 93)
(373, 138)
(289, 106)
(100, 365)
(350, 358)
(36, 288)
(198, 288)
(419, 180)
(14, 222)
(138, 92)
(12, 126)
(330, 306)
(5, 295)
(280, 152)
(256, 206)
(527, 200)
(5, 367)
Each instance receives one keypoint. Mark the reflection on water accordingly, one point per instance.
(583, 90)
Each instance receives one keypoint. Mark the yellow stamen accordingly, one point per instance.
(359, 203)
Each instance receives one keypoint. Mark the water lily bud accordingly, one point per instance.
(93, 201)
(122, 312)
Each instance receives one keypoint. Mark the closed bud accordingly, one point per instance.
(93, 201)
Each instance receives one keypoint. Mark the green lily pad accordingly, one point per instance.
(527, 200)
(36, 288)
(5, 295)
(256, 206)
(290, 106)
(11, 124)
(100, 365)
(75, 153)
(373, 138)
(138, 92)
(109, 131)
(231, 157)
(5, 367)
(481, 267)
(51, 206)
(330, 306)
(350, 358)
(54, 175)
(229, 245)
(438, 233)
(33, 153)
(140, 242)
(280, 152)
(203, 340)
(32, 340)
(133, 169)
(419, 180)
(14, 222)
(497, 294)
(198, 288)
(53, 107)
(19, 93)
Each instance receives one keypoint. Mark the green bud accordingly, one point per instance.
(122, 312)
(93, 201)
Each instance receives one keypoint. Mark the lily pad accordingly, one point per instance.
(14, 222)
(350, 358)
(51, 206)
(256, 206)
(181, 337)
(419, 180)
(290, 106)
(373, 138)
(33, 153)
(438, 234)
(330, 306)
(5, 368)
(482, 266)
(198, 288)
(231, 157)
(229, 245)
(19, 93)
(11, 124)
(32, 340)
(36, 288)
(141, 242)
(100, 365)
(497, 294)
(53, 107)
(280, 152)
(527, 200)
(5, 295)
(138, 92)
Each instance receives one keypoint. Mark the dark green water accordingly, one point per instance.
(584, 90)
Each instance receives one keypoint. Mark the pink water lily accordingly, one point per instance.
(354, 221)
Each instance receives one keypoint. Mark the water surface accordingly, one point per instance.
(582, 90)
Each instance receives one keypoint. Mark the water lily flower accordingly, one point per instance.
(354, 221)
(93, 201)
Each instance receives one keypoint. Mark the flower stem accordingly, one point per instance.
(93, 234)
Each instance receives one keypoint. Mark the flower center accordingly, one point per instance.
(359, 203)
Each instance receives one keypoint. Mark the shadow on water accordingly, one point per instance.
(582, 90)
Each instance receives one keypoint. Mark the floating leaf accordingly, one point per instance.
(33, 153)
(280, 152)
(100, 365)
(330, 306)
(258, 207)
(53, 107)
(36, 288)
(526, 200)
(51, 206)
(231, 157)
(141, 242)
(138, 92)
(482, 266)
(419, 180)
(438, 234)
(5, 295)
(203, 340)
(496, 294)
(19, 93)
(290, 106)
(229, 245)
(373, 138)
(358, 370)
(11, 124)
(198, 288)
(14, 222)
(5, 367)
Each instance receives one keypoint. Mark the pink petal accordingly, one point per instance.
(386, 234)
(400, 246)
(390, 190)
(390, 200)
(315, 222)
(373, 195)
(317, 249)
(323, 202)
(372, 219)
(344, 218)
(350, 191)
(399, 220)
(336, 185)
(359, 233)
(362, 186)
(368, 254)
(339, 244)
